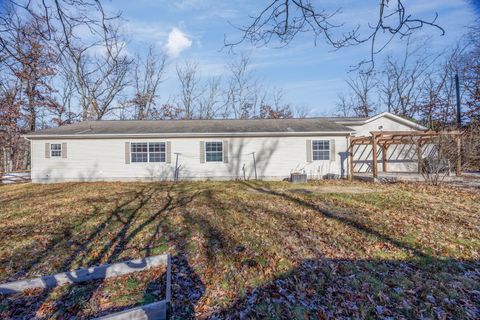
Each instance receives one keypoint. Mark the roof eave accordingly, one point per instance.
(184, 135)
(383, 114)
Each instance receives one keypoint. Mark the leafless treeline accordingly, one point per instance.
(419, 84)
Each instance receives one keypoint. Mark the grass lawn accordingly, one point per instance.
(329, 249)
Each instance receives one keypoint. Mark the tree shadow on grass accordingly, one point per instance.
(341, 288)
(129, 219)
(422, 287)
(342, 218)
(83, 247)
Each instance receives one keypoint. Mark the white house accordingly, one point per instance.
(203, 149)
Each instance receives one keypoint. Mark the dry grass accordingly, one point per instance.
(257, 248)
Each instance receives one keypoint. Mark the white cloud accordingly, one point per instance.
(149, 32)
(177, 42)
(188, 4)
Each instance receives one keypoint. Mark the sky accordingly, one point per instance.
(311, 74)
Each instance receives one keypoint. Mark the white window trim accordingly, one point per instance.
(329, 148)
(148, 152)
(51, 150)
(205, 151)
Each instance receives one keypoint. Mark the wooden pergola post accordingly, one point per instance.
(350, 159)
(374, 155)
(458, 167)
(419, 156)
(384, 157)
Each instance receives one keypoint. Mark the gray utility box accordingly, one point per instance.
(298, 178)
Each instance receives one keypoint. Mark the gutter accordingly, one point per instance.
(184, 135)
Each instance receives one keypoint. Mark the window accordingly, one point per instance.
(214, 151)
(321, 149)
(148, 152)
(56, 150)
(156, 152)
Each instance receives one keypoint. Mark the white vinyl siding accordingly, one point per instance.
(110, 160)
(320, 150)
(148, 152)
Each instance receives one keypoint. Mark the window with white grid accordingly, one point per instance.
(214, 151)
(321, 150)
(148, 152)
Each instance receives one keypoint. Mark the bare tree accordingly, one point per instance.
(147, 76)
(301, 111)
(404, 79)
(242, 92)
(189, 87)
(282, 20)
(30, 63)
(438, 105)
(469, 68)
(211, 101)
(363, 86)
(345, 106)
(61, 18)
(66, 113)
(100, 72)
(417, 84)
(471, 146)
(11, 127)
(276, 109)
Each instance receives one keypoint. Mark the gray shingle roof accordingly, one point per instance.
(342, 119)
(129, 127)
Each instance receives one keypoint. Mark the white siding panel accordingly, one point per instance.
(380, 124)
(104, 159)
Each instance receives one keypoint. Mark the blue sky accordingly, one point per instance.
(311, 75)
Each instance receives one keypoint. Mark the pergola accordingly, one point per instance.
(384, 139)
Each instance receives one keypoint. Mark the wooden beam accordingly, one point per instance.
(458, 167)
(415, 133)
(374, 156)
(360, 140)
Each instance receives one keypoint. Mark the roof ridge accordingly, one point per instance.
(220, 119)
